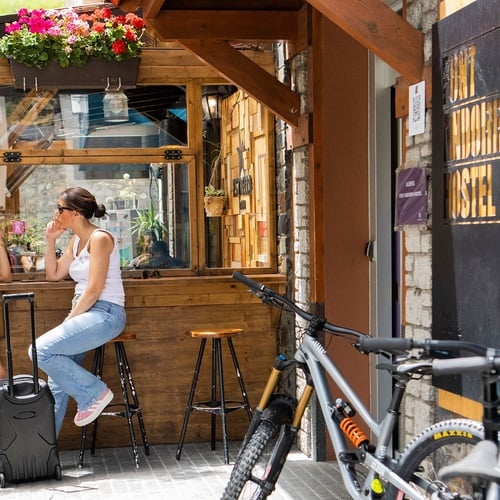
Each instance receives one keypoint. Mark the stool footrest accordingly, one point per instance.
(216, 406)
(133, 411)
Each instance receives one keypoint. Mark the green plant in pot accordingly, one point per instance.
(149, 223)
(210, 190)
(215, 198)
(214, 201)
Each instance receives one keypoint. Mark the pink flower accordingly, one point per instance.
(15, 26)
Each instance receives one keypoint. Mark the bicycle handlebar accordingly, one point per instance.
(367, 344)
(465, 364)
(269, 296)
(395, 345)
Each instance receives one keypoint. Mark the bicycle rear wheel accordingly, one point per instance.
(440, 444)
(248, 478)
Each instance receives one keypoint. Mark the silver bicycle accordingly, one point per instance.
(367, 466)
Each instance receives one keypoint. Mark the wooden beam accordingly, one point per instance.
(151, 8)
(225, 25)
(381, 30)
(247, 75)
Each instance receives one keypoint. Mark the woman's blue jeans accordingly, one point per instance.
(61, 352)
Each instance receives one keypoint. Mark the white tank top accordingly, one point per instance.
(79, 270)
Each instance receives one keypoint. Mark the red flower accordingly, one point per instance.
(130, 36)
(98, 27)
(106, 13)
(136, 21)
(119, 47)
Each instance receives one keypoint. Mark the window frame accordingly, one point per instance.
(191, 154)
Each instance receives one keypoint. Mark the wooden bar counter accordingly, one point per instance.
(160, 311)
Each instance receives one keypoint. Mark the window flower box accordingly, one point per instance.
(94, 75)
(45, 45)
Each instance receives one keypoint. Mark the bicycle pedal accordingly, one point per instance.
(351, 457)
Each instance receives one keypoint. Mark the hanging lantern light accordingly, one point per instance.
(115, 104)
(211, 102)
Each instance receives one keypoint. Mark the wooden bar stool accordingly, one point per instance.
(217, 405)
(130, 406)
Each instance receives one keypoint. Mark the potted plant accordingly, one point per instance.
(25, 242)
(150, 224)
(215, 198)
(214, 201)
(54, 39)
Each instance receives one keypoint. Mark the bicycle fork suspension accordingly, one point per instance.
(287, 435)
(285, 413)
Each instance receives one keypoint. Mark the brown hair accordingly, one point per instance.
(83, 201)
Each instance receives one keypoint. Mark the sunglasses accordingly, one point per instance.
(61, 209)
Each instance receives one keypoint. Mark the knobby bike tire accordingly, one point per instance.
(240, 485)
(441, 444)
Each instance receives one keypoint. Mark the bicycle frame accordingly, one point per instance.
(313, 354)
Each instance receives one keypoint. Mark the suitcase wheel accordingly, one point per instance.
(58, 473)
(2, 480)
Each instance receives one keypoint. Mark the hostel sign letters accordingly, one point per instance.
(466, 180)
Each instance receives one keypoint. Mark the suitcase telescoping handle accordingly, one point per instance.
(30, 296)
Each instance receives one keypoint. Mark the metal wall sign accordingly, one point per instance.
(466, 180)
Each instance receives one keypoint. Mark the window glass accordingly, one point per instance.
(143, 117)
(148, 213)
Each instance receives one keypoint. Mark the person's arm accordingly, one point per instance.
(100, 248)
(5, 269)
(56, 269)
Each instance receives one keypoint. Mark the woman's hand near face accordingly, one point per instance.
(56, 269)
(53, 231)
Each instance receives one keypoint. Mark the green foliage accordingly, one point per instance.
(211, 190)
(147, 222)
(33, 238)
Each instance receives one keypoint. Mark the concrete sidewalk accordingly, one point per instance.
(200, 475)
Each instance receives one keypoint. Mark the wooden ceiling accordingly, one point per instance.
(211, 29)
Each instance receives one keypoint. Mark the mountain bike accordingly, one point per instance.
(367, 466)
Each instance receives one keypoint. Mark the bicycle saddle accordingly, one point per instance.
(481, 463)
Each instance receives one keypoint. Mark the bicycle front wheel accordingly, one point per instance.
(248, 478)
(441, 444)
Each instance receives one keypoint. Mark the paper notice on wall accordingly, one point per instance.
(416, 116)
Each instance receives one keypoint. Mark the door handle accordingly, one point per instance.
(370, 249)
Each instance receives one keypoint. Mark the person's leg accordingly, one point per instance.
(57, 348)
(61, 398)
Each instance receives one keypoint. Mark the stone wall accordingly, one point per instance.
(419, 405)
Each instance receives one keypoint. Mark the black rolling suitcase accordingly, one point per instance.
(28, 445)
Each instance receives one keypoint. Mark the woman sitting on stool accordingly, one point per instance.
(98, 315)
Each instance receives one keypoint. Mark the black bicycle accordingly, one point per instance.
(368, 468)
